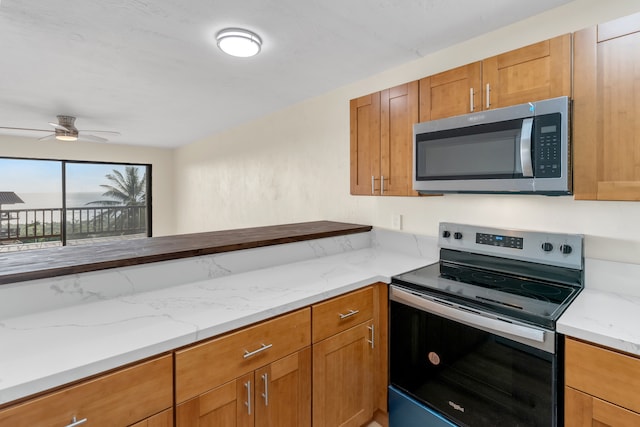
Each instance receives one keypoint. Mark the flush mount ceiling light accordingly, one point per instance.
(238, 42)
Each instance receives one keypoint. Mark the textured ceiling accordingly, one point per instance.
(150, 68)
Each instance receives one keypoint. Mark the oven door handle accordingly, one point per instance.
(464, 315)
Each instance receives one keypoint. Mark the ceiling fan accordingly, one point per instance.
(65, 130)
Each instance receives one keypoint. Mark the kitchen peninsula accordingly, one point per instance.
(112, 314)
(63, 329)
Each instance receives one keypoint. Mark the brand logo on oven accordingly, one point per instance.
(476, 118)
(456, 406)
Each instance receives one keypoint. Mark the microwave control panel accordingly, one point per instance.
(548, 143)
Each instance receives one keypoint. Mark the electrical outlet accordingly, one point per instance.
(396, 221)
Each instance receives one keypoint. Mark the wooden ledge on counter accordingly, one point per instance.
(60, 261)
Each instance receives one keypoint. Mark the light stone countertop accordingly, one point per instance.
(56, 331)
(51, 347)
(607, 311)
(606, 318)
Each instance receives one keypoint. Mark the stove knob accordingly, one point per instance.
(446, 234)
(566, 249)
(457, 235)
(547, 247)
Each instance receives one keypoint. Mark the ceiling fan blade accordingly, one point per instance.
(91, 138)
(110, 132)
(57, 126)
(48, 137)
(26, 129)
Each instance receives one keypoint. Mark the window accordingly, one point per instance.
(52, 202)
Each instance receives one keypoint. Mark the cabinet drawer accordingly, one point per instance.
(341, 313)
(212, 363)
(118, 399)
(607, 374)
(585, 410)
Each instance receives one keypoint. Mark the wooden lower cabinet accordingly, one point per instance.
(349, 358)
(163, 419)
(584, 410)
(601, 386)
(275, 395)
(261, 375)
(343, 378)
(128, 396)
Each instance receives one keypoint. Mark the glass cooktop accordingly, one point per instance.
(528, 299)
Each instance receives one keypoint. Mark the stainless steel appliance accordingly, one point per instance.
(472, 337)
(518, 149)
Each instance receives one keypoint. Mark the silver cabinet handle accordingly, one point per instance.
(263, 347)
(382, 184)
(75, 422)
(265, 395)
(488, 95)
(372, 340)
(349, 314)
(373, 184)
(247, 385)
(525, 147)
(471, 107)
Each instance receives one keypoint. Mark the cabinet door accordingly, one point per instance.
(583, 410)
(365, 144)
(606, 129)
(283, 392)
(399, 112)
(532, 73)
(163, 419)
(343, 392)
(229, 405)
(451, 93)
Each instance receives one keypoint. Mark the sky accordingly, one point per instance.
(45, 176)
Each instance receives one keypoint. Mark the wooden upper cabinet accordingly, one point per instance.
(382, 141)
(532, 73)
(451, 93)
(399, 112)
(606, 121)
(365, 144)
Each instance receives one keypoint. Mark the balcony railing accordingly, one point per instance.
(36, 225)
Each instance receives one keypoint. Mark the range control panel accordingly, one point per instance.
(499, 240)
(564, 250)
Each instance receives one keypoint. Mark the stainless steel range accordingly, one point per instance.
(472, 337)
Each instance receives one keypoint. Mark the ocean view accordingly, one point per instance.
(53, 200)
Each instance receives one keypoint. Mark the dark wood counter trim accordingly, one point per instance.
(60, 261)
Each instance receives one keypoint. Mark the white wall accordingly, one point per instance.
(161, 161)
(294, 165)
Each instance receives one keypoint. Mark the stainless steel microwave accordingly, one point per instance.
(518, 149)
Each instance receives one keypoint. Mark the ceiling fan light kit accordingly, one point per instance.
(239, 42)
(65, 130)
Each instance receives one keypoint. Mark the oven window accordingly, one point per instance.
(473, 377)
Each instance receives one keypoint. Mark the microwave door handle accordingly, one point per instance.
(525, 147)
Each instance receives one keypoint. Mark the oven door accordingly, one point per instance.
(472, 375)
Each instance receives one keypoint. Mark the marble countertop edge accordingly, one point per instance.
(105, 335)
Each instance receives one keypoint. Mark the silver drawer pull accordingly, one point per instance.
(75, 422)
(349, 314)
(254, 352)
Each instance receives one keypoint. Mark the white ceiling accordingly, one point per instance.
(150, 69)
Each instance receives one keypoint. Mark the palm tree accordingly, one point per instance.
(124, 190)
(128, 189)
